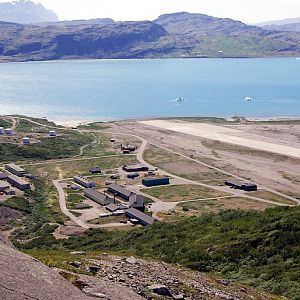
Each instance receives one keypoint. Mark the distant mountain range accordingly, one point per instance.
(292, 24)
(279, 22)
(171, 35)
(25, 12)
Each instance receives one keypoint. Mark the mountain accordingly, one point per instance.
(286, 27)
(99, 21)
(279, 22)
(171, 35)
(25, 12)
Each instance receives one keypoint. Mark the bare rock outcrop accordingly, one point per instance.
(23, 278)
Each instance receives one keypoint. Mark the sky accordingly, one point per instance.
(248, 11)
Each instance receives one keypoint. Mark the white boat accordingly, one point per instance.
(248, 99)
(179, 99)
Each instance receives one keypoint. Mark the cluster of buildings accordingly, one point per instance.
(13, 177)
(134, 207)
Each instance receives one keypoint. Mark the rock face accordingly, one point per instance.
(22, 277)
(25, 12)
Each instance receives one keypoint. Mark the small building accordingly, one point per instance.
(137, 201)
(119, 212)
(133, 175)
(155, 181)
(8, 131)
(119, 191)
(19, 183)
(112, 140)
(4, 186)
(126, 147)
(105, 215)
(143, 218)
(135, 168)
(14, 169)
(3, 176)
(84, 182)
(245, 186)
(112, 207)
(98, 197)
(9, 192)
(2, 130)
(26, 140)
(52, 133)
(75, 187)
(95, 170)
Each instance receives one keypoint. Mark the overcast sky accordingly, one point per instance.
(249, 11)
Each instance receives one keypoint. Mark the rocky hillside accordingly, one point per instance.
(118, 40)
(172, 35)
(25, 12)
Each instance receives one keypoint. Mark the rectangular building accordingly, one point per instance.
(137, 201)
(84, 182)
(119, 191)
(19, 183)
(135, 168)
(127, 147)
(143, 219)
(14, 169)
(98, 197)
(155, 181)
(245, 186)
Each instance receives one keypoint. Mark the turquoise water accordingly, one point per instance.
(122, 89)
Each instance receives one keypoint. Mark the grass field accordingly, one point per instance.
(70, 168)
(182, 167)
(180, 193)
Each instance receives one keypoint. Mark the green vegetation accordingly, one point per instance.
(256, 248)
(81, 166)
(18, 203)
(43, 219)
(5, 123)
(73, 199)
(60, 147)
(176, 193)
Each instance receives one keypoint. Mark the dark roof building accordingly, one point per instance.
(156, 181)
(14, 169)
(127, 147)
(84, 182)
(112, 207)
(143, 219)
(135, 168)
(245, 186)
(19, 183)
(137, 201)
(95, 170)
(133, 175)
(119, 191)
(98, 197)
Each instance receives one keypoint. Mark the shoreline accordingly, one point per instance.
(4, 61)
(77, 122)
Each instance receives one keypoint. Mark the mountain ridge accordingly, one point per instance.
(171, 35)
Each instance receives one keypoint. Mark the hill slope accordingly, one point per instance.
(172, 35)
(25, 12)
(257, 248)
